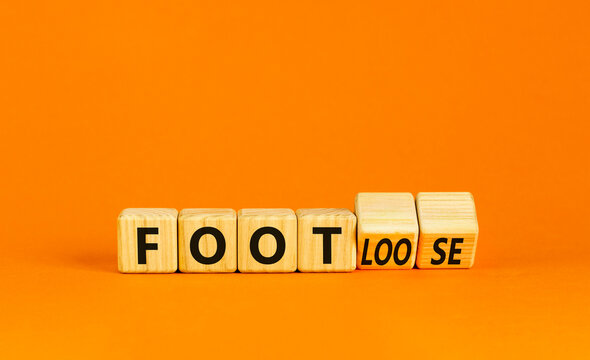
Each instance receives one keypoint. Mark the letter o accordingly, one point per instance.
(396, 251)
(194, 245)
(384, 261)
(255, 248)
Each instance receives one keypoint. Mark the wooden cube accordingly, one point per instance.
(207, 240)
(326, 240)
(147, 240)
(387, 230)
(448, 230)
(267, 240)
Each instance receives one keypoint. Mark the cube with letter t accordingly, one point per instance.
(448, 230)
(147, 240)
(326, 240)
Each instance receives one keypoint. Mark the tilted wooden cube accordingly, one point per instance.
(147, 240)
(207, 240)
(448, 230)
(326, 240)
(267, 240)
(387, 230)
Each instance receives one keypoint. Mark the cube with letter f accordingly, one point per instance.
(147, 240)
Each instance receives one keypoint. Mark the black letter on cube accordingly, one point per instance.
(327, 232)
(255, 249)
(142, 246)
(396, 251)
(439, 251)
(453, 250)
(194, 245)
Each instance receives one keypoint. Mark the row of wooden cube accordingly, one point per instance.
(438, 230)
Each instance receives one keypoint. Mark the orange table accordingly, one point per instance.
(106, 105)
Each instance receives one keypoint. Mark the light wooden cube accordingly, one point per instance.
(267, 240)
(448, 230)
(326, 240)
(207, 240)
(387, 230)
(147, 240)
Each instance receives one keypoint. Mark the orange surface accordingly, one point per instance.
(106, 105)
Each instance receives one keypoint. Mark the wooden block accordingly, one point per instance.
(207, 240)
(448, 230)
(267, 240)
(326, 240)
(387, 230)
(147, 240)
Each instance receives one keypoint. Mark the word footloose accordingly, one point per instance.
(389, 231)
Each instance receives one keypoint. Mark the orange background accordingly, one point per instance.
(106, 105)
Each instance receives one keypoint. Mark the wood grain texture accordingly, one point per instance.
(310, 246)
(224, 220)
(162, 260)
(251, 220)
(386, 222)
(448, 215)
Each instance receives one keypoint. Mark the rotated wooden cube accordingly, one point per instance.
(267, 240)
(326, 240)
(387, 230)
(207, 240)
(448, 230)
(147, 240)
